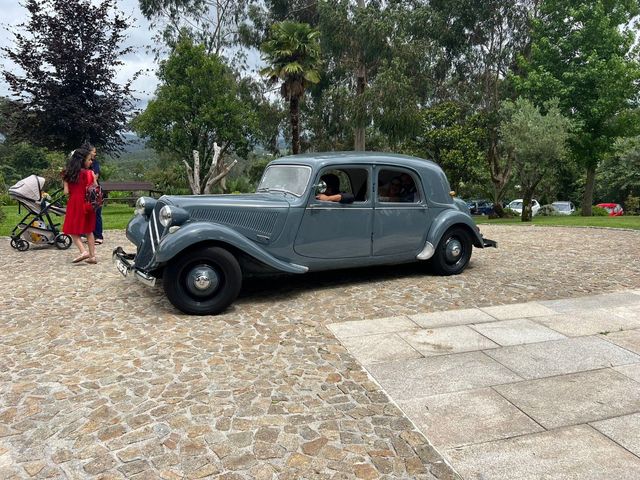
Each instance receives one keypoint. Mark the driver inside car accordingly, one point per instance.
(333, 193)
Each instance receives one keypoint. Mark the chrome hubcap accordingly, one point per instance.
(453, 250)
(202, 280)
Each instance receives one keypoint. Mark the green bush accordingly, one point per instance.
(239, 185)
(547, 211)
(599, 212)
(632, 205)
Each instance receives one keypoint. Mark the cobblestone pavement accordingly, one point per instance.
(103, 378)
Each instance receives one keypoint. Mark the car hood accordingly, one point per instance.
(258, 216)
(249, 200)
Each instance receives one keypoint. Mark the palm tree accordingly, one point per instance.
(293, 57)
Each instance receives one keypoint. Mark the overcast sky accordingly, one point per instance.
(139, 36)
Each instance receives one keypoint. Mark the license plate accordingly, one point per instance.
(122, 268)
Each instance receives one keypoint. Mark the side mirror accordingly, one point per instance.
(321, 187)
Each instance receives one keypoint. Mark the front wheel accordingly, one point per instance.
(62, 241)
(203, 282)
(453, 252)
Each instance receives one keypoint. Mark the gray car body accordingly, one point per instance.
(281, 232)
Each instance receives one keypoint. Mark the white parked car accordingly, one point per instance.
(516, 206)
(564, 208)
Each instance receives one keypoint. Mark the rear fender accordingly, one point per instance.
(447, 219)
(199, 232)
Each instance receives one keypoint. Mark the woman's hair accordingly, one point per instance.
(74, 165)
(87, 146)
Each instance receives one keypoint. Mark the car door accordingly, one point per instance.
(400, 223)
(335, 230)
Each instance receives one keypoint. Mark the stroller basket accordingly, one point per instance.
(37, 227)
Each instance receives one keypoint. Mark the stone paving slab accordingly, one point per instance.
(517, 332)
(538, 360)
(629, 339)
(631, 371)
(624, 430)
(518, 310)
(577, 398)
(451, 318)
(592, 302)
(462, 418)
(371, 327)
(572, 453)
(405, 380)
(446, 340)
(589, 323)
(385, 347)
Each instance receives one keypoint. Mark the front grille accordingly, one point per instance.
(258, 221)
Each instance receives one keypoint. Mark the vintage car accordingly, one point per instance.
(393, 209)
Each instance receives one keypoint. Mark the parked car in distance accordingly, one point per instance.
(385, 210)
(614, 209)
(516, 206)
(564, 208)
(480, 207)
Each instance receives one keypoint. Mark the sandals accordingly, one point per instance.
(91, 260)
(80, 258)
(99, 241)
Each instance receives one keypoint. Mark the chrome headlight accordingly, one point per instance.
(165, 216)
(170, 215)
(145, 205)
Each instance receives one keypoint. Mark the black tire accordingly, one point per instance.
(453, 252)
(22, 245)
(62, 241)
(14, 242)
(203, 282)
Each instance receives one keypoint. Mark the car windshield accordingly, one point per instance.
(515, 205)
(563, 207)
(285, 178)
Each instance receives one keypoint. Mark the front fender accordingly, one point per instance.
(447, 219)
(174, 243)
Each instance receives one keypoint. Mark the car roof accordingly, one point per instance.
(566, 202)
(606, 205)
(322, 159)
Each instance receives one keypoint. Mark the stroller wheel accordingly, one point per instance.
(22, 245)
(14, 242)
(63, 241)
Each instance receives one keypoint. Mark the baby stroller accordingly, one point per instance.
(37, 227)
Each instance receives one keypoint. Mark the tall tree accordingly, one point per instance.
(582, 53)
(293, 57)
(198, 115)
(212, 23)
(69, 53)
(535, 141)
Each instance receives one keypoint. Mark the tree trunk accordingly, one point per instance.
(527, 195)
(361, 83)
(359, 131)
(294, 113)
(499, 176)
(587, 199)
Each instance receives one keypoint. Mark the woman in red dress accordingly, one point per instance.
(80, 218)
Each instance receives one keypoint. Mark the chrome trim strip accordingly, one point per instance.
(310, 207)
(306, 269)
(148, 280)
(427, 252)
(155, 227)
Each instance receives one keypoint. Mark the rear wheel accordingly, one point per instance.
(63, 241)
(204, 282)
(453, 252)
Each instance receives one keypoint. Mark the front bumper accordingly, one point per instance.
(124, 263)
(486, 243)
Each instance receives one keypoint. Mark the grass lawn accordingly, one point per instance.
(629, 221)
(114, 216)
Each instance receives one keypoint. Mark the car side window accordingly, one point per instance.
(351, 183)
(397, 186)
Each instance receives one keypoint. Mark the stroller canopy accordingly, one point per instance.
(29, 188)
